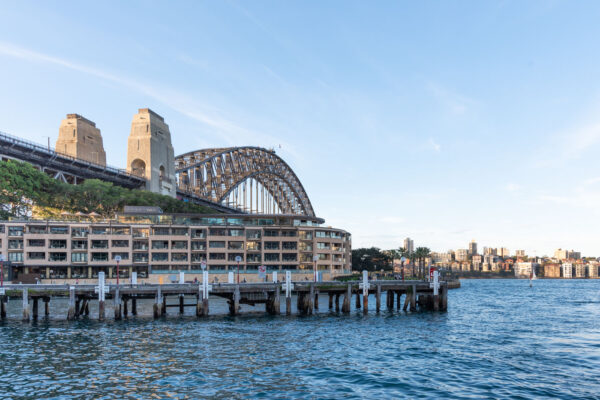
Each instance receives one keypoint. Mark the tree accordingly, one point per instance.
(370, 259)
(421, 253)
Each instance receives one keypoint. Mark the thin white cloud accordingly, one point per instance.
(233, 133)
(512, 187)
(392, 220)
(456, 103)
(434, 145)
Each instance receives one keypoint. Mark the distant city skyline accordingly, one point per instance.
(467, 120)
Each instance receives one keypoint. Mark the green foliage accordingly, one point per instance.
(24, 189)
(372, 259)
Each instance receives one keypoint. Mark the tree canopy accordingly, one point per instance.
(371, 259)
(25, 191)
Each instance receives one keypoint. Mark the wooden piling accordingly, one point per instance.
(163, 310)
(365, 303)
(357, 299)
(157, 307)
(234, 305)
(311, 300)
(35, 308)
(125, 310)
(46, 306)
(288, 305)
(77, 303)
(101, 310)
(390, 300)
(346, 303)
(316, 299)
(413, 298)
(398, 299)
(133, 306)
(337, 302)
(25, 305)
(181, 298)
(71, 309)
(330, 301)
(378, 297)
(117, 304)
(436, 302)
(87, 307)
(2, 307)
(301, 303)
(276, 301)
(444, 299)
(407, 298)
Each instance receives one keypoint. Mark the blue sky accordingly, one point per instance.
(442, 121)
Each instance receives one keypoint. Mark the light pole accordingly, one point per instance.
(315, 258)
(118, 259)
(238, 259)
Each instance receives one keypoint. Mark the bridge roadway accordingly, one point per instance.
(74, 170)
(417, 294)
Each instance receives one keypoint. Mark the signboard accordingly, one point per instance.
(230, 277)
(134, 278)
(262, 272)
(275, 276)
(142, 210)
(238, 258)
(181, 277)
(431, 271)
(118, 258)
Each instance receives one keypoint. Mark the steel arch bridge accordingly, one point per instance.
(250, 179)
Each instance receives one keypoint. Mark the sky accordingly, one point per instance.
(440, 121)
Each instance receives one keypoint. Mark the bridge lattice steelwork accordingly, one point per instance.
(250, 179)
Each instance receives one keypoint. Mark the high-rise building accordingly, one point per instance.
(473, 247)
(519, 253)
(409, 245)
(560, 254)
(461, 255)
(78, 137)
(567, 270)
(502, 252)
(489, 251)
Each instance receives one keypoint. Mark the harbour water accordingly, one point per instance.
(499, 339)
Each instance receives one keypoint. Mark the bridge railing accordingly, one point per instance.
(53, 153)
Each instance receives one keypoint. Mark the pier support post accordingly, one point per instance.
(35, 308)
(2, 307)
(288, 293)
(365, 303)
(101, 295)
(365, 291)
(276, 301)
(71, 309)
(163, 310)
(133, 306)
(413, 298)
(444, 299)
(125, 310)
(77, 304)
(390, 300)
(311, 300)
(199, 303)
(407, 298)
(346, 304)
(300, 303)
(87, 307)
(337, 302)
(378, 298)
(398, 300)
(316, 297)
(330, 301)
(181, 298)
(234, 305)
(46, 306)
(157, 307)
(117, 304)
(25, 305)
(357, 303)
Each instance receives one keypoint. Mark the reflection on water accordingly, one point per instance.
(498, 339)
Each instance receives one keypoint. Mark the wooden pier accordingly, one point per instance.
(418, 295)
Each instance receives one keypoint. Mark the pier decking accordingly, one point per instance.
(418, 295)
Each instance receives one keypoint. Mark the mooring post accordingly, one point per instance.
(346, 304)
(330, 300)
(444, 300)
(25, 305)
(206, 288)
(398, 299)
(288, 293)
(436, 288)
(316, 299)
(125, 310)
(35, 308)
(365, 285)
(163, 310)
(46, 306)
(181, 298)
(234, 307)
(157, 307)
(117, 304)
(2, 306)
(378, 297)
(199, 302)
(101, 295)
(337, 302)
(276, 301)
(407, 298)
(311, 299)
(413, 298)
(71, 309)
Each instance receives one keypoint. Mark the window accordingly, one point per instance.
(79, 244)
(252, 258)
(15, 231)
(141, 232)
(253, 246)
(305, 246)
(323, 246)
(322, 234)
(79, 257)
(217, 232)
(59, 230)
(36, 255)
(58, 244)
(197, 245)
(179, 244)
(57, 257)
(99, 256)
(271, 245)
(289, 257)
(198, 257)
(140, 245)
(180, 231)
(121, 230)
(160, 256)
(124, 256)
(289, 233)
(99, 244)
(15, 244)
(236, 232)
(161, 231)
(179, 257)
(15, 257)
(235, 245)
(232, 256)
(271, 233)
(305, 235)
(199, 233)
(323, 256)
(253, 234)
(79, 232)
(120, 243)
(217, 256)
(37, 230)
(100, 230)
(160, 244)
(216, 244)
(289, 246)
(140, 257)
(271, 257)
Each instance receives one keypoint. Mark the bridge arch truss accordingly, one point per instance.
(250, 179)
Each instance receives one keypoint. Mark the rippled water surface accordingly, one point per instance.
(499, 339)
